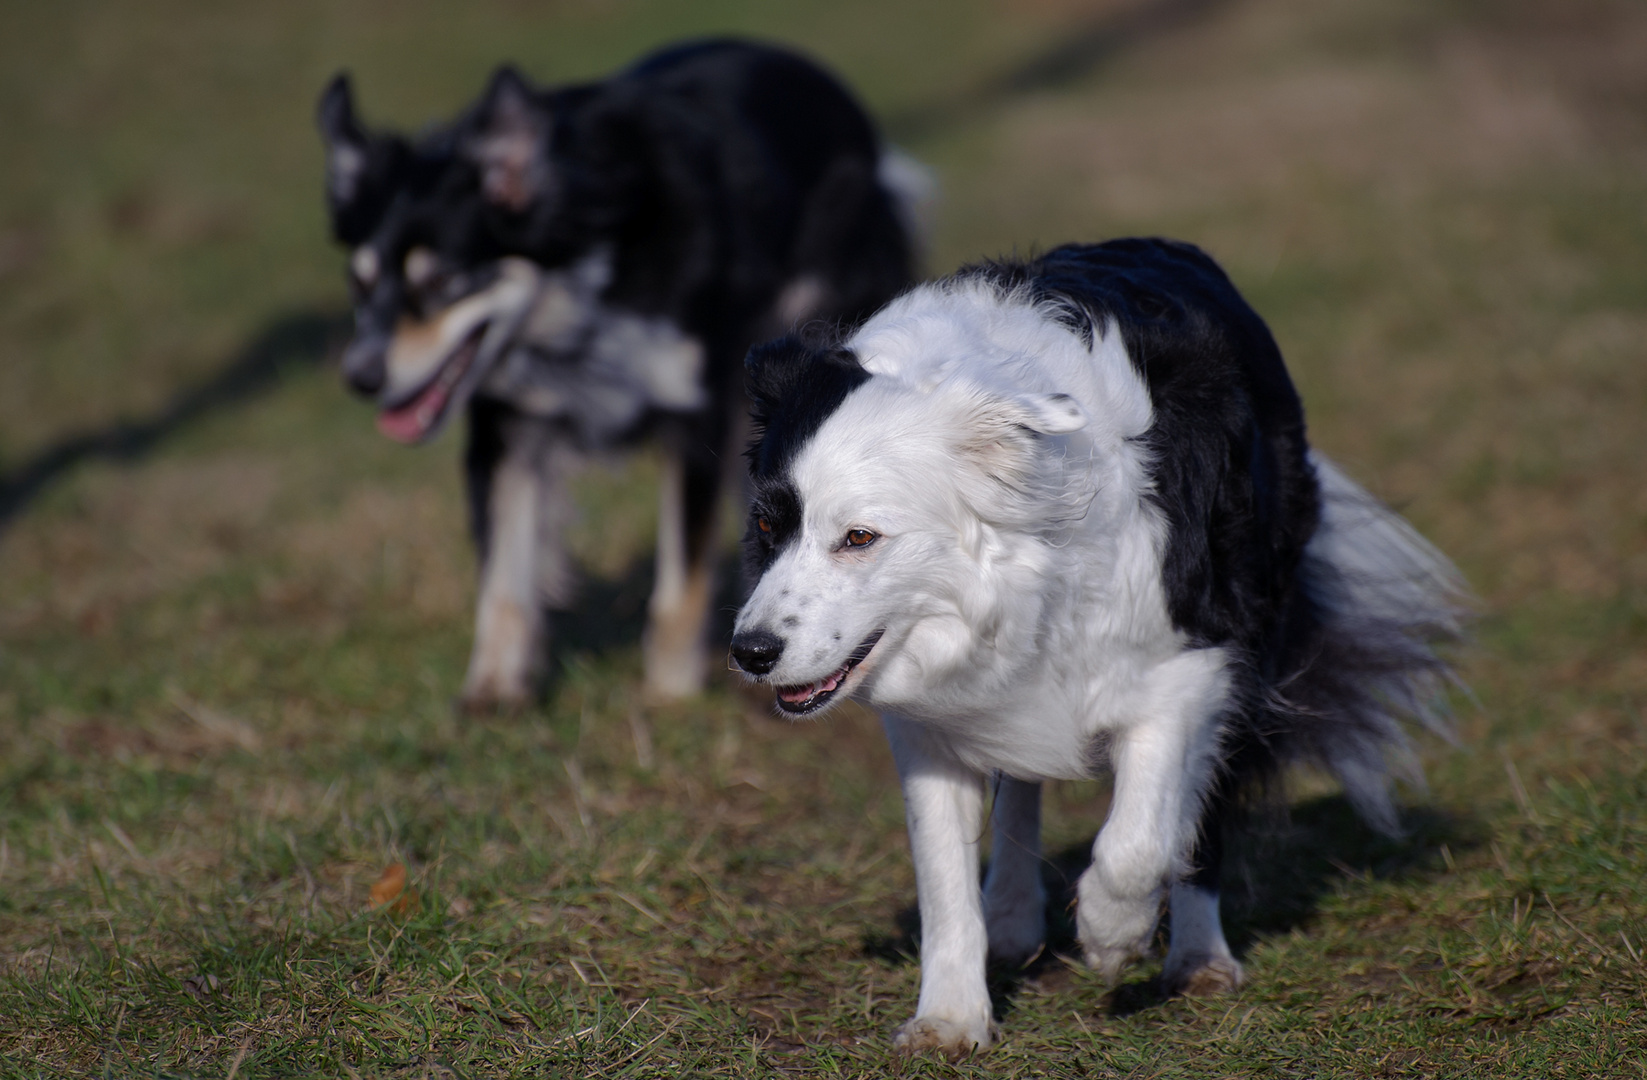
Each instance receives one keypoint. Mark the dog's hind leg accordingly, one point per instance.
(1199, 962)
(1014, 898)
(1162, 764)
(943, 803)
(521, 506)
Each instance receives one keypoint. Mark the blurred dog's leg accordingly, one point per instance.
(522, 506)
(675, 648)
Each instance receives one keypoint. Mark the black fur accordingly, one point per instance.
(723, 170)
(793, 385)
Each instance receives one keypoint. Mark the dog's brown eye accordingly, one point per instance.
(761, 524)
(859, 538)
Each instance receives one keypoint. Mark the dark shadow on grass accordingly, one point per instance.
(300, 339)
(1277, 871)
(1080, 50)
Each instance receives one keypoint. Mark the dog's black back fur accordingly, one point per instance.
(722, 170)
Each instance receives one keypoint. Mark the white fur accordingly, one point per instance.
(523, 569)
(1017, 576)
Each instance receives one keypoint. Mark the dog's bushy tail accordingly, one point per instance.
(1384, 600)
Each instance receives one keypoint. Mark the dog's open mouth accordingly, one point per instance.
(799, 700)
(411, 420)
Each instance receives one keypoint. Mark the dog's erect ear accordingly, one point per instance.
(345, 141)
(1050, 414)
(509, 142)
(998, 433)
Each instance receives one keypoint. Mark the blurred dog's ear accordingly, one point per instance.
(508, 141)
(346, 145)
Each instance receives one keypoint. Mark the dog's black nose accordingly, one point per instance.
(364, 366)
(757, 651)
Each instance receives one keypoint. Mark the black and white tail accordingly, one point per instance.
(1385, 598)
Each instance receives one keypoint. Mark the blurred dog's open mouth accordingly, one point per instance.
(799, 700)
(412, 419)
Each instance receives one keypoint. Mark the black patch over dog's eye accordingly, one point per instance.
(774, 520)
(857, 538)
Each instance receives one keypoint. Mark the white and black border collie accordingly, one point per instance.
(1059, 516)
(586, 265)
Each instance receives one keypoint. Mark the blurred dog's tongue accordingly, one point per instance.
(411, 421)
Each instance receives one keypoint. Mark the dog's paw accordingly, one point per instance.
(953, 1040)
(1114, 929)
(675, 682)
(673, 674)
(1015, 940)
(489, 699)
(1109, 961)
(1202, 975)
(1015, 920)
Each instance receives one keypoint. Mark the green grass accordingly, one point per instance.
(226, 665)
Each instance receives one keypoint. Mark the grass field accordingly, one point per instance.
(233, 618)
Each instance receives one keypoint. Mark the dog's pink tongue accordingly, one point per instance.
(411, 421)
(803, 693)
(795, 694)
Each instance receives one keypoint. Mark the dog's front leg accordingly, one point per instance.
(1014, 898)
(521, 505)
(673, 648)
(943, 803)
(1162, 762)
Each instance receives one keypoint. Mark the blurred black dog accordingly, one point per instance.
(583, 266)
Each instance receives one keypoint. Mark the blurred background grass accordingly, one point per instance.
(232, 617)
